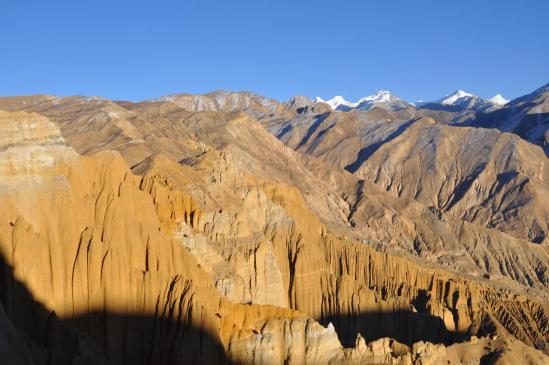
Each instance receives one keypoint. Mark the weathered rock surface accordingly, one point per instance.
(458, 175)
(477, 175)
(224, 101)
(31, 148)
(217, 251)
(527, 117)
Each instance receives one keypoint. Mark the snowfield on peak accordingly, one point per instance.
(454, 97)
(499, 100)
(465, 100)
(381, 98)
(336, 102)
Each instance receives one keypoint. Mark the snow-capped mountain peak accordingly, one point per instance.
(336, 102)
(464, 100)
(379, 97)
(454, 97)
(382, 98)
(499, 100)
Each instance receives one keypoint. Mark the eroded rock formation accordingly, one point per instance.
(206, 254)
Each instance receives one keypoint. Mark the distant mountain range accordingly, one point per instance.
(526, 116)
(229, 227)
(384, 99)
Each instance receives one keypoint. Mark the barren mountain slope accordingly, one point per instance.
(230, 146)
(338, 137)
(165, 127)
(478, 175)
(130, 262)
(508, 195)
(82, 242)
(400, 224)
(225, 101)
(468, 188)
(527, 117)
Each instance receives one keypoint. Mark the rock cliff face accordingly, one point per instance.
(30, 145)
(214, 248)
(464, 184)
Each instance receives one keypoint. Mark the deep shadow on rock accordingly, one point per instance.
(94, 338)
(406, 327)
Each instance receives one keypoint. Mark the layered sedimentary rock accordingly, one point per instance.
(339, 199)
(31, 148)
(88, 247)
(93, 255)
(464, 172)
(211, 255)
(458, 175)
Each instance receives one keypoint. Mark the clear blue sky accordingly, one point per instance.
(135, 49)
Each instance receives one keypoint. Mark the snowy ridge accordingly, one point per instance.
(381, 98)
(465, 100)
(499, 100)
(336, 102)
(453, 98)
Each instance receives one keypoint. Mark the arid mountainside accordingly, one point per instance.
(478, 175)
(224, 101)
(349, 206)
(160, 232)
(440, 166)
(527, 116)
